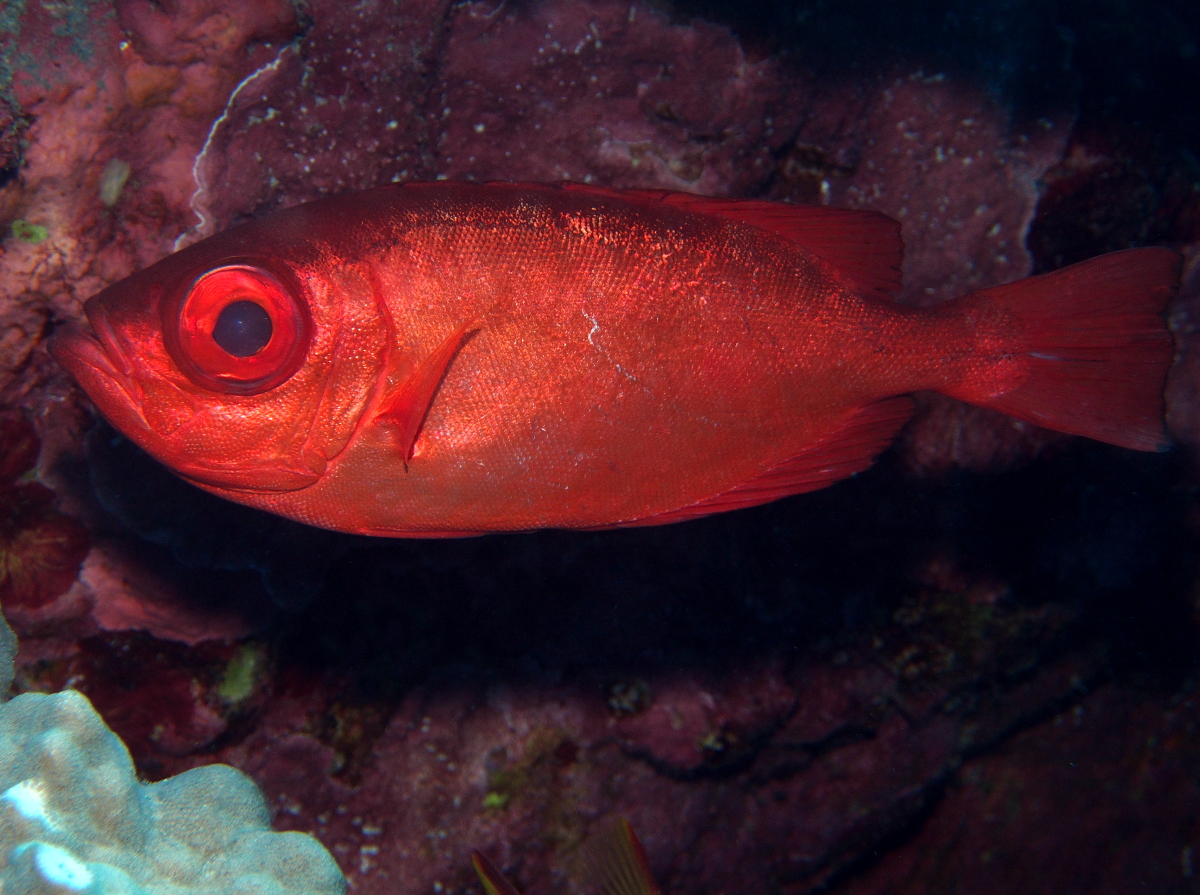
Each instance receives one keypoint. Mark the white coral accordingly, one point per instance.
(75, 819)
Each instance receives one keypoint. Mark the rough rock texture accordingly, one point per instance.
(908, 683)
(96, 92)
(1117, 764)
(60, 582)
(342, 109)
(41, 549)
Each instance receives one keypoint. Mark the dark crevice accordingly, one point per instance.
(899, 823)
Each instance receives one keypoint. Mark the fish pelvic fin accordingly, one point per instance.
(494, 882)
(614, 863)
(1085, 349)
(408, 405)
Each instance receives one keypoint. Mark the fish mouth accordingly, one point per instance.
(72, 345)
(81, 354)
(107, 338)
(97, 361)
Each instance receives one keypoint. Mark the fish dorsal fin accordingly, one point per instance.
(494, 882)
(614, 863)
(864, 249)
(850, 448)
(408, 405)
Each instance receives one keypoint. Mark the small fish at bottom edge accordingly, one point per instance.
(612, 863)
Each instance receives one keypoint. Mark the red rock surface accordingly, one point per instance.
(953, 724)
(41, 549)
(1118, 765)
(910, 683)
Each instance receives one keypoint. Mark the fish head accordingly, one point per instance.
(241, 368)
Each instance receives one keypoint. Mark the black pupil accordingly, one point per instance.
(243, 329)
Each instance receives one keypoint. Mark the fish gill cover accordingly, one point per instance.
(975, 663)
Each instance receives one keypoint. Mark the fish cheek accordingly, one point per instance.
(239, 441)
(352, 368)
(166, 403)
(196, 426)
(260, 441)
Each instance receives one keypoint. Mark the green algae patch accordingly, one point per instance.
(241, 674)
(496, 801)
(27, 232)
(542, 779)
(112, 181)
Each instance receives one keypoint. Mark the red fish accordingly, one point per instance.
(450, 358)
(613, 863)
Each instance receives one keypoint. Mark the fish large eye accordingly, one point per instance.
(243, 328)
(240, 330)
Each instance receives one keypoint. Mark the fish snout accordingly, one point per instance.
(72, 346)
(91, 361)
(101, 368)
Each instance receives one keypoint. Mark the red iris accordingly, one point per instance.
(261, 353)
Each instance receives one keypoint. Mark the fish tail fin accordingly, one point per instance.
(1083, 350)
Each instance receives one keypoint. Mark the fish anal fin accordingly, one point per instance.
(849, 449)
(494, 882)
(614, 863)
(408, 405)
(864, 249)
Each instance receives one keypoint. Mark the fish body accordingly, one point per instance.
(451, 358)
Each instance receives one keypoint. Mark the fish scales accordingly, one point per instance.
(675, 376)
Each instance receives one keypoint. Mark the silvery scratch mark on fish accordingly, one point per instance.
(592, 341)
(591, 337)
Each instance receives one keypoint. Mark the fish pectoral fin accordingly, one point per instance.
(848, 449)
(407, 406)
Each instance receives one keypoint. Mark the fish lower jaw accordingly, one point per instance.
(246, 479)
(90, 363)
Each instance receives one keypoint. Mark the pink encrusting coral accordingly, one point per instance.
(41, 549)
(58, 581)
(817, 695)
(131, 83)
